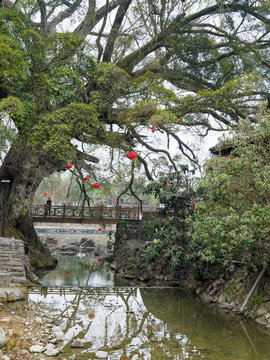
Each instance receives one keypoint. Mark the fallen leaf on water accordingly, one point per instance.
(158, 326)
(91, 316)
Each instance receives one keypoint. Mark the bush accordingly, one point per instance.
(233, 220)
(168, 231)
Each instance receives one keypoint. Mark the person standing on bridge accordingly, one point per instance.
(49, 205)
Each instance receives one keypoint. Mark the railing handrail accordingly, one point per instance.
(65, 212)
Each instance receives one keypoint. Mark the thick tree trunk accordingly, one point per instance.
(25, 170)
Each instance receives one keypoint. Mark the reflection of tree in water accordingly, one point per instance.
(154, 338)
(165, 324)
(88, 297)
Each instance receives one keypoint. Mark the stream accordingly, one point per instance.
(89, 302)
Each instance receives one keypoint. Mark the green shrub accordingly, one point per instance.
(233, 220)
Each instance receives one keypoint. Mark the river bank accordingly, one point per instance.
(28, 331)
(224, 287)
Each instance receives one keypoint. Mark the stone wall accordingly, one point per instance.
(12, 261)
(129, 251)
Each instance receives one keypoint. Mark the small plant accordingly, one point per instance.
(255, 301)
(110, 245)
(230, 290)
(110, 242)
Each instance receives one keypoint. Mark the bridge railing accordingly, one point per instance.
(99, 212)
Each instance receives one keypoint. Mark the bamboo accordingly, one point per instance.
(253, 288)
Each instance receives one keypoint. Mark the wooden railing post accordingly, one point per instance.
(100, 211)
(64, 211)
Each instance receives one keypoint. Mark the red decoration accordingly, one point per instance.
(180, 118)
(153, 128)
(98, 260)
(100, 229)
(162, 173)
(96, 186)
(131, 155)
(69, 166)
(45, 193)
(194, 203)
(69, 273)
(85, 178)
(167, 185)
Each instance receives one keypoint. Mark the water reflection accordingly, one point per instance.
(149, 323)
(81, 270)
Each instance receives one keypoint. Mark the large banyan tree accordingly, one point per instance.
(78, 72)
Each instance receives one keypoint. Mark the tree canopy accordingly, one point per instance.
(79, 73)
(97, 71)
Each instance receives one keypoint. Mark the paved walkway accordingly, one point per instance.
(12, 261)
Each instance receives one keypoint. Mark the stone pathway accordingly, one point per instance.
(12, 261)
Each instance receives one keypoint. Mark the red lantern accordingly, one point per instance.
(194, 203)
(68, 273)
(85, 178)
(96, 186)
(69, 166)
(45, 193)
(180, 118)
(100, 229)
(167, 185)
(131, 155)
(153, 128)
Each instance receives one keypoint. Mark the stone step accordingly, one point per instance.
(13, 247)
(11, 254)
(16, 271)
(11, 262)
(12, 258)
(5, 278)
(19, 279)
